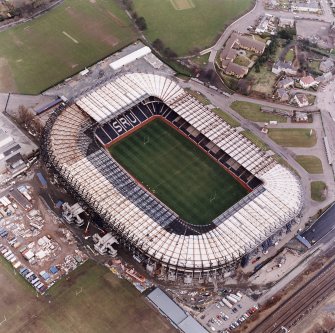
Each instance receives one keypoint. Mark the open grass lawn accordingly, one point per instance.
(196, 26)
(178, 172)
(262, 82)
(252, 111)
(289, 56)
(73, 35)
(314, 65)
(106, 304)
(310, 163)
(242, 61)
(293, 137)
(318, 191)
(201, 61)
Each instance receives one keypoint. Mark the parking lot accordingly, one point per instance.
(34, 240)
(228, 312)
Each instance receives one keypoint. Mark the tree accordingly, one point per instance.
(169, 53)
(141, 23)
(257, 68)
(128, 4)
(24, 116)
(287, 33)
(36, 127)
(244, 86)
(158, 45)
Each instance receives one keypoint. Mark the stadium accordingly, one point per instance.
(81, 143)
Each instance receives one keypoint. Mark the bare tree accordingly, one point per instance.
(24, 116)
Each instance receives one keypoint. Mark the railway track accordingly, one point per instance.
(301, 302)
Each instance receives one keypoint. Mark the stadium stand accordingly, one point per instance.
(75, 141)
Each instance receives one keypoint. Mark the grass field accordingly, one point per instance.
(105, 304)
(263, 81)
(289, 56)
(252, 111)
(178, 172)
(196, 26)
(46, 50)
(293, 137)
(318, 190)
(310, 163)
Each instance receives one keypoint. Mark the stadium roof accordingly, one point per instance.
(140, 53)
(167, 306)
(190, 325)
(174, 312)
(108, 188)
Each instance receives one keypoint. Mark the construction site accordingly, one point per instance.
(34, 239)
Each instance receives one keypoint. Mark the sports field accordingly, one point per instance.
(293, 137)
(184, 25)
(72, 36)
(177, 172)
(91, 299)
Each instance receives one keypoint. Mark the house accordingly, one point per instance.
(236, 70)
(230, 51)
(228, 54)
(286, 22)
(308, 82)
(301, 100)
(326, 65)
(301, 117)
(283, 95)
(266, 25)
(238, 41)
(285, 83)
(310, 6)
(324, 77)
(250, 44)
(283, 66)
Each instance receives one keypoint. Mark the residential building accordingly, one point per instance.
(301, 100)
(266, 25)
(230, 51)
(283, 67)
(236, 70)
(285, 83)
(238, 41)
(250, 44)
(310, 6)
(307, 82)
(283, 95)
(325, 77)
(326, 65)
(286, 22)
(301, 117)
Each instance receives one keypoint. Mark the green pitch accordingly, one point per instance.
(73, 35)
(188, 25)
(178, 173)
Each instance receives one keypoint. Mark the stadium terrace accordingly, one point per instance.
(76, 140)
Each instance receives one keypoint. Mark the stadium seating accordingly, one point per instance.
(137, 216)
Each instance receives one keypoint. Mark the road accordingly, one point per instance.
(301, 302)
(326, 103)
(321, 227)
